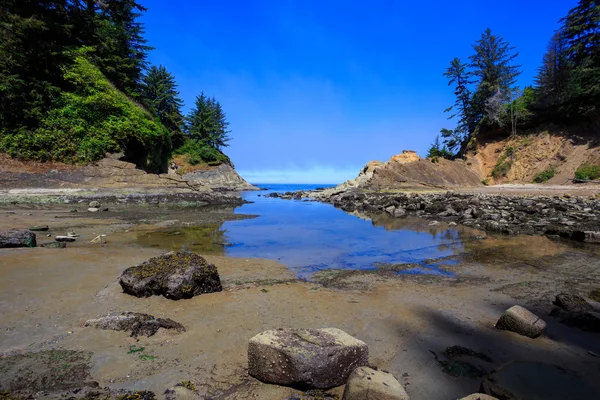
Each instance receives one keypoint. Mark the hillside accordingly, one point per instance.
(522, 158)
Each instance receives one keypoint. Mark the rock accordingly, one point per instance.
(180, 393)
(173, 275)
(366, 384)
(72, 234)
(522, 380)
(595, 294)
(305, 358)
(93, 209)
(67, 239)
(574, 311)
(17, 238)
(138, 324)
(522, 321)
(39, 228)
(591, 237)
(54, 245)
(572, 303)
(94, 204)
(478, 396)
(452, 223)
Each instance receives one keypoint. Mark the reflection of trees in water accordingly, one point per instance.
(208, 238)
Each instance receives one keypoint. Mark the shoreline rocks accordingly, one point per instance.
(173, 275)
(573, 310)
(522, 321)
(573, 218)
(305, 358)
(17, 238)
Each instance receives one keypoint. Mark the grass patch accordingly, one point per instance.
(504, 164)
(545, 175)
(588, 172)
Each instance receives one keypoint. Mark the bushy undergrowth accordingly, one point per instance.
(545, 175)
(201, 153)
(92, 119)
(588, 172)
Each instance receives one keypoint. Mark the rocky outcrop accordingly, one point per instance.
(222, 178)
(305, 358)
(113, 179)
(17, 238)
(366, 383)
(173, 275)
(522, 321)
(137, 324)
(409, 171)
(522, 380)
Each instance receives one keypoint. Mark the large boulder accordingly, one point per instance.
(369, 384)
(522, 321)
(305, 358)
(522, 380)
(173, 275)
(17, 238)
(138, 324)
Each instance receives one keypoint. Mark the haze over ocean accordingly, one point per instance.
(314, 90)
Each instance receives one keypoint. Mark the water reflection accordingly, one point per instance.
(205, 239)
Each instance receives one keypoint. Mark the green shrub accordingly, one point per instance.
(435, 159)
(198, 152)
(504, 164)
(485, 181)
(92, 119)
(588, 172)
(545, 175)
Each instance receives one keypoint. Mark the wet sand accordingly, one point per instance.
(46, 295)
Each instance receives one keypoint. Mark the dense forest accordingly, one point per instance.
(75, 83)
(566, 90)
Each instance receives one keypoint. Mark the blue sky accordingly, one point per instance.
(316, 89)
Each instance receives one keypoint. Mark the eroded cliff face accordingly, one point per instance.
(529, 154)
(222, 177)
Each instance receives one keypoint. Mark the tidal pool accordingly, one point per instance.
(312, 236)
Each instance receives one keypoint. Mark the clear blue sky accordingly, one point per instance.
(314, 89)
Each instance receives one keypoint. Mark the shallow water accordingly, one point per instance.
(313, 236)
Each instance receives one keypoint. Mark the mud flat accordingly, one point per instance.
(410, 322)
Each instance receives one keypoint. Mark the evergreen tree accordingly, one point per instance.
(553, 76)
(120, 43)
(159, 92)
(459, 76)
(581, 30)
(200, 121)
(221, 134)
(493, 65)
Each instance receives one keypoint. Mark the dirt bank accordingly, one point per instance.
(46, 295)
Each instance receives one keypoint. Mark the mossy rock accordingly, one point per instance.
(173, 275)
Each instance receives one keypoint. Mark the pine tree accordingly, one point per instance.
(221, 137)
(493, 65)
(553, 76)
(459, 76)
(120, 44)
(200, 122)
(581, 30)
(159, 93)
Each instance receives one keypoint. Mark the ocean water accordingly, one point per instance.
(311, 236)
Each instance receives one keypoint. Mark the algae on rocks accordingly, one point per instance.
(173, 275)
